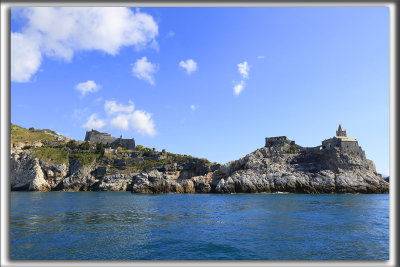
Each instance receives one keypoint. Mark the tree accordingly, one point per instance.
(31, 129)
(84, 146)
(72, 144)
(100, 148)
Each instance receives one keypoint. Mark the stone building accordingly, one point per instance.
(94, 136)
(341, 141)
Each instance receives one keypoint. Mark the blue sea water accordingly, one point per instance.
(125, 226)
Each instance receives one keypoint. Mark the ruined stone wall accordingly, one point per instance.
(271, 141)
(104, 138)
(97, 137)
(128, 143)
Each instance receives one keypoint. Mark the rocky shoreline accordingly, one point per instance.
(260, 171)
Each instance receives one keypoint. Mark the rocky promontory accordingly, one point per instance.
(279, 166)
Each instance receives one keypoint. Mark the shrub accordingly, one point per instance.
(100, 148)
(292, 148)
(84, 146)
(85, 157)
(72, 144)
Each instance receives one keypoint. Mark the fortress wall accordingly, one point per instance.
(128, 143)
(101, 139)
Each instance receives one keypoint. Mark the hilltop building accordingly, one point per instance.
(343, 142)
(340, 141)
(94, 136)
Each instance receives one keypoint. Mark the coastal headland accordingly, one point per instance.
(42, 160)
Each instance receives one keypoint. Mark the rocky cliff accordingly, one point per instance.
(331, 171)
(260, 171)
(291, 169)
(31, 173)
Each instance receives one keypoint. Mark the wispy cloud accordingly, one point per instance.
(59, 32)
(189, 65)
(87, 87)
(170, 34)
(193, 107)
(260, 57)
(244, 69)
(238, 88)
(145, 70)
(112, 107)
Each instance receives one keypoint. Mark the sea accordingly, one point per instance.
(124, 226)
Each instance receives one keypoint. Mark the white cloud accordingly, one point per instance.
(189, 65)
(143, 123)
(25, 57)
(87, 87)
(244, 69)
(94, 123)
(112, 107)
(260, 57)
(193, 107)
(120, 122)
(61, 31)
(139, 121)
(128, 119)
(238, 88)
(144, 70)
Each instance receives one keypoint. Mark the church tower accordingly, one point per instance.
(340, 131)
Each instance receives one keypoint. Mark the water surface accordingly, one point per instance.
(125, 226)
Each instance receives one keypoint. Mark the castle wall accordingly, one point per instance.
(98, 137)
(104, 138)
(269, 141)
(128, 143)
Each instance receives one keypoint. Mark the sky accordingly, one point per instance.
(207, 82)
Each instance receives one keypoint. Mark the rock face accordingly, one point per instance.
(332, 171)
(264, 170)
(26, 173)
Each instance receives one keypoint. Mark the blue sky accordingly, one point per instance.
(208, 82)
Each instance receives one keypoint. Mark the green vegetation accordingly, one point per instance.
(72, 144)
(172, 158)
(60, 152)
(147, 164)
(122, 149)
(51, 155)
(100, 148)
(84, 146)
(142, 148)
(50, 131)
(84, 158)
(292, 148)
(20, 134)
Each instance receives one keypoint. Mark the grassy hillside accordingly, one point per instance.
(52, 155)
(20, 134)
(57, 152)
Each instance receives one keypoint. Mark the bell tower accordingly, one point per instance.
(340, 131)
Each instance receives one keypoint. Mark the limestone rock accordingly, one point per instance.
(26, 173)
